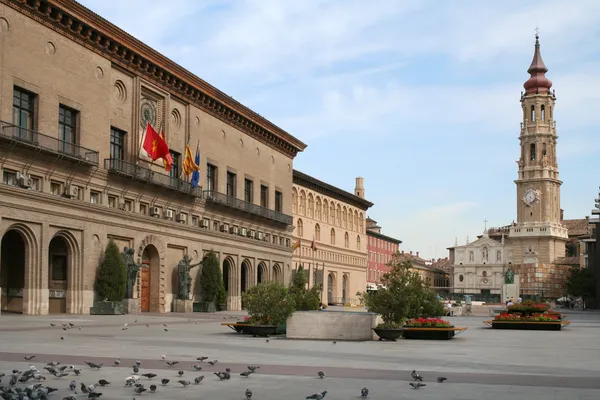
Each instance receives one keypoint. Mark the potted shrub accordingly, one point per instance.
(269, 305)
(211, 284)
(111, 282)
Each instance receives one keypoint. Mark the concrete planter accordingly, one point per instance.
(132, 306)
(332, 325)
(260, 330)
(184, 306)
(422, 333)
(389, 334)
(107, 308)
(527, 326)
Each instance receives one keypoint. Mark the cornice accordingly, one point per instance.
(384, 237)
(93, 32)
(307, 181)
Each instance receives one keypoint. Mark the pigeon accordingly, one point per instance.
(202, 359)
(442, 379)
(417, 385)
(124, 328)
(267, 340)
(62, 338)
(253, 368)
(149, 375)
(213, 363)
(184, 383)
(364, 392)
(117, 362)
(59, 374)
(51, 324)
(93, 365)
(165, 325)
(164, 381)
(77, 371)
(29, 358)
(166, 330)
(335, 341)
(125, 325)
(180, 372)
(84, 389)
(246, 374)
(321, 374)
(135, 369)
(94, 395)
(140, 389)
(198, 379)
(197, 367)
(91, 388)
(138, 363)
(222, 375)
(248, 394)
(163, 357)
(317, 396)
(103, 382)
(172, 363)
(73, 386)
(416, 376)
(152, 388)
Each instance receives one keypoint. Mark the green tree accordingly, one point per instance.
(268, 303)
(111, 281)
(211, 280)
(403, 295)
(304, 299)
(581, 283)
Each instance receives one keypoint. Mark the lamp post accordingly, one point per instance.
(594, 256)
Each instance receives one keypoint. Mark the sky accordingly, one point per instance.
(418, 97)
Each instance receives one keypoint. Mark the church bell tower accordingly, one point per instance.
(538, 233)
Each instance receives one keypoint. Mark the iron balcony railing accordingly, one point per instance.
(142, 174)
(31, 138)
(212, 196)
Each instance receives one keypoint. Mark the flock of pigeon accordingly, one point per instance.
(27, 384)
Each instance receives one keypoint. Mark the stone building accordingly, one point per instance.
(381, 248)
(435, 274)
(75, 97)
(535, 246)
(330, 237)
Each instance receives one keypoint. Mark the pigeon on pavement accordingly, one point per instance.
(248, 394)
(103, 382)
(317, 396)
(364, 392)
(417, 385)
(442, 379)
(198, 379)
(321, 374)
(416, 376)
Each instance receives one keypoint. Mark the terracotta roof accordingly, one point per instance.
(442, 263)
(577, 227)
(537, 70)
(567, 261)
(302, 179)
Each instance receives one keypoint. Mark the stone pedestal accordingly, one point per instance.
(184, 306)
(511, 290)
(132, 306)
(457, 311)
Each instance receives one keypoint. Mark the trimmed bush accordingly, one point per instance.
(268, 304)
(304, 299)
(211, 280)
(111, 281)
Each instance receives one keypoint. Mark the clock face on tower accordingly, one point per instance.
(530, 197)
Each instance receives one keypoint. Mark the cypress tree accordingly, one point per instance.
(211, 280)
(111, 282)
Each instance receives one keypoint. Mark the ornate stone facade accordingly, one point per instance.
(65, 192)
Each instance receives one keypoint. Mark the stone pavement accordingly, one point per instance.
(479, 363)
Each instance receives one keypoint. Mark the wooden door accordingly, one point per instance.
(145, 290)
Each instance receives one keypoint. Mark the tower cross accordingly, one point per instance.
(485, 221)
(537, 31)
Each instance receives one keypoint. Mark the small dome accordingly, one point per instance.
(537, 83)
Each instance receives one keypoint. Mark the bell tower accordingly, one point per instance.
(538, 231)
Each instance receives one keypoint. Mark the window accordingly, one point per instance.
(23, 113)
(128, 205)
(461, 278)
(317, 232)
(117, 144)
(542, 113)
(543, 149)
(338, 216)
(279, 201)
(311, 205)
(55, 188)
(231, 178)
(211, 178)
(9, 177)
(532, 151)
(318, 209)
(471, 256)
(36, 183)
(248, 191)
(195, 220)
(67, 129)
(346, 240)
(95, 197)
(175, 171)
(357, 242)
(112, 201)
(264, 196)
(300, 228)
(58, 263)
(532, 113)
(332, 238)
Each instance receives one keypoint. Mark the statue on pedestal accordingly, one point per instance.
(185, 280)
(132, 270)
(509, 277)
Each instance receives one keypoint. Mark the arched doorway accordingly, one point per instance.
(58, 274)
(229, 289)
(344, 288)
(244, 275)
(150, 261)
(12, 271)
(330, 281)
(262, 274)
(277, 273)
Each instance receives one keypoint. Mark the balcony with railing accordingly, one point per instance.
(34, 140)
(146, 175)
(220, 199)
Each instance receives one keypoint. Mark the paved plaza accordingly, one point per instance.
(481, 363)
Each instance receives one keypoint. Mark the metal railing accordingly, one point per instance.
(47, 143)
(230, 201)
(146, 175)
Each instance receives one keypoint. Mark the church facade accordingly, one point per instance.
(531, 246)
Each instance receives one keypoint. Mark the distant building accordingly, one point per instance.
(381, 249)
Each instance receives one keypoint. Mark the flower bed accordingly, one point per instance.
(428, 323)
(527, 307)
(428, 329)
(538, 321)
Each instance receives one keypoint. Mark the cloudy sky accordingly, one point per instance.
(421, 98)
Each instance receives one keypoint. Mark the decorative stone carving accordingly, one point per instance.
(148, 113)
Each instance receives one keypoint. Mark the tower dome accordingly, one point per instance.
(537, 83)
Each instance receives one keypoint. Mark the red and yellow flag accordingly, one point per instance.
(189, 165)
(155, 144)
(167, 159)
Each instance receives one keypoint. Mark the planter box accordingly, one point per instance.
(332, 325)
(282, 329)
(389, 334)
(131, 306)
(428, 333)
(260, 330)
(107, 308)
(184, 306)
(204, 307)
(527, 326)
